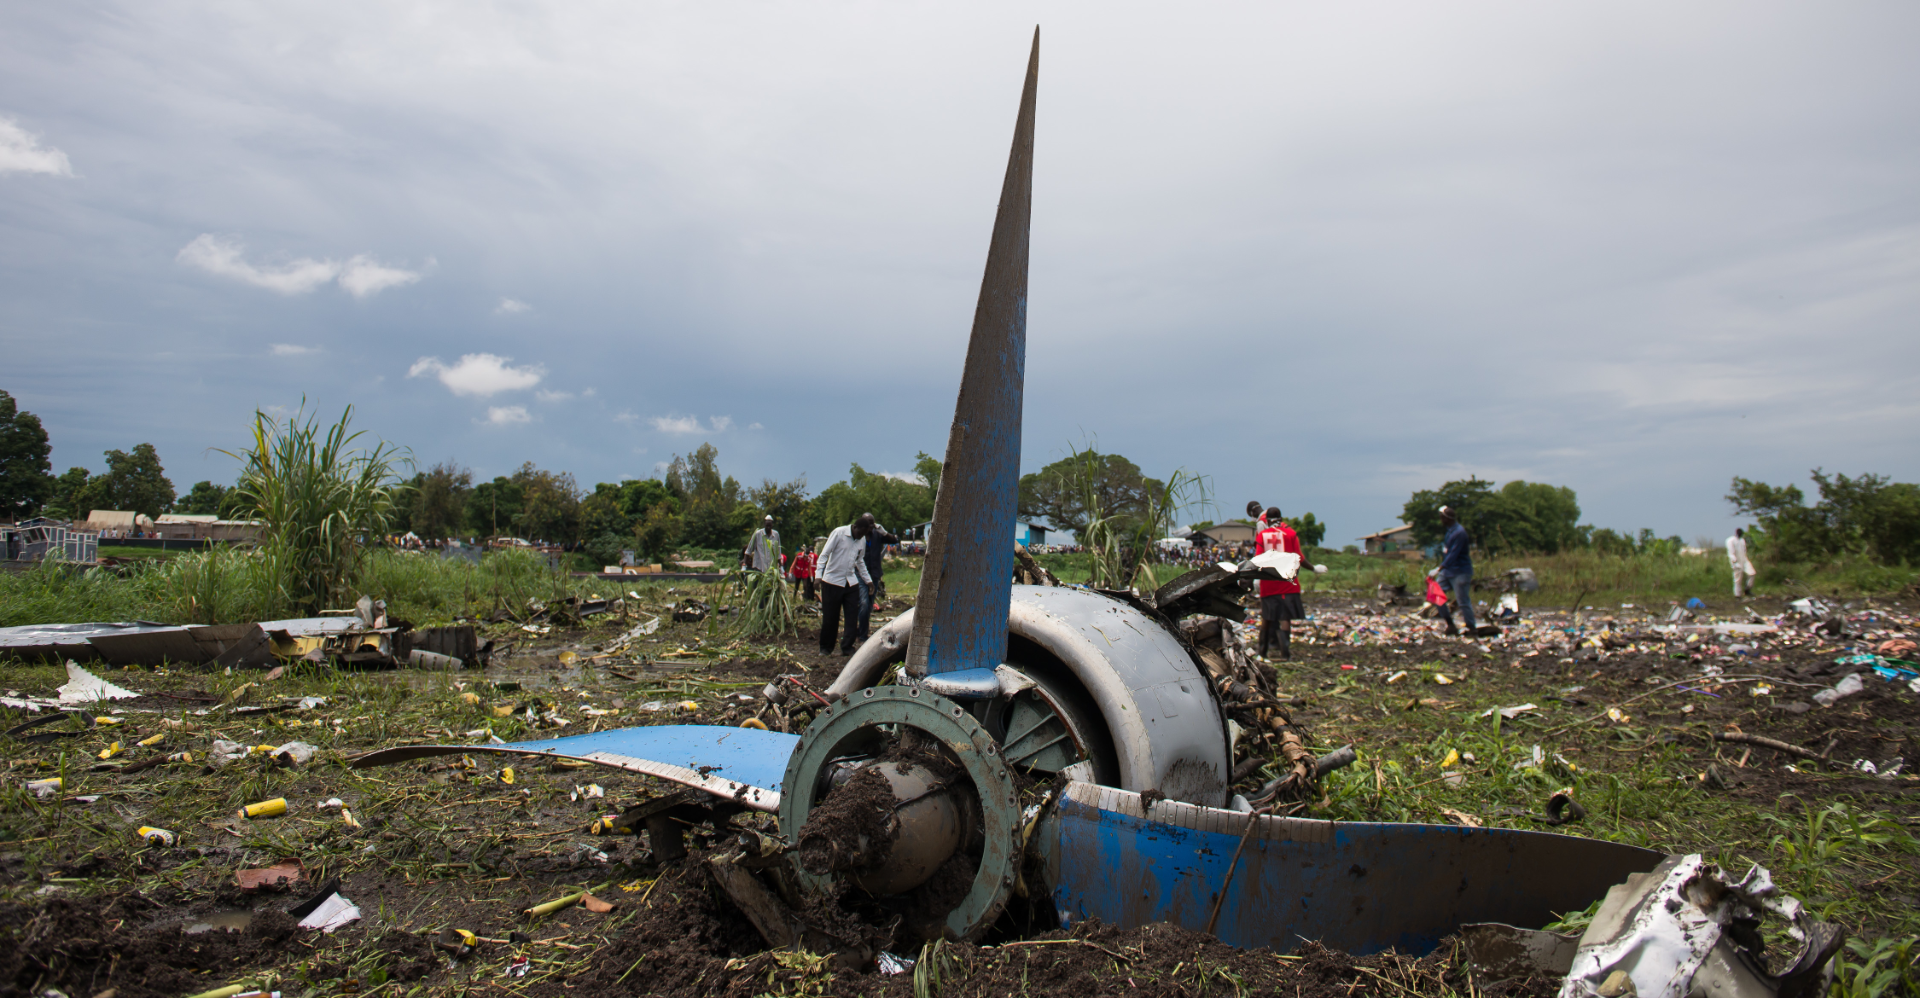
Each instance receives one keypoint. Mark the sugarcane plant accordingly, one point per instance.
(767, 605)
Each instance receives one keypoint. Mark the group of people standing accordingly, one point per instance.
(847, 572)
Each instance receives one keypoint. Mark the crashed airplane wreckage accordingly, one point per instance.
(1069, 752)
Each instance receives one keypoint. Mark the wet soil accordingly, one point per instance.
(86, 907)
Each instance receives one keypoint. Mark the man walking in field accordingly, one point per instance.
(1743, 572)
(843, 583)
(1280, 603)
(763, 548)
(1455, 573)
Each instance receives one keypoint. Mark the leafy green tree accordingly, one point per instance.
(26, 473)
(550, 505)
(895, 503)
(1866, 515)
(928, 468)
(1530, 517)
(439, 501)
(1422, 512)
(1309, 529)
(637, 497)
(69, 492)
(494, 506)
(133, 481)
(657, 532)
(204, 499)
(713, 516)
(1061, 492)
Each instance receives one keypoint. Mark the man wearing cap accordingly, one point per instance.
(1455, 572)
(763, 548)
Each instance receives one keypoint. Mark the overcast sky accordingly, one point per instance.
(1326, 254)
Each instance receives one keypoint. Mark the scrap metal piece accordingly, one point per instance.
(1684, 930)
(741, 764)
(1357, 886)
(1497, 951)
(969, 566)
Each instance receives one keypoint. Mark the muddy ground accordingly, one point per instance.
(87, 906)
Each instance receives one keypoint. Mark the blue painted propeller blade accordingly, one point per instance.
(746, 764)
(1354, 886)
(967, 581)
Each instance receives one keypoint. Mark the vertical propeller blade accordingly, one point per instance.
(960, 620)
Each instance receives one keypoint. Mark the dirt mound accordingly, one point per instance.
(83, 948)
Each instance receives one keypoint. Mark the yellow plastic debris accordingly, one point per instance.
(111, 751)
(754, 722)
(157, 836)
(1452, 759)
(265, 809)
(506, 776)
(152, 740)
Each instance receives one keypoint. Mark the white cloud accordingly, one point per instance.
(507, 415)
(480, 374)
(359, 276)
(755, 426)
(626, 417)
(21, 152)
(690, 424)
(222, 257)
(362, 276)
(293, 350)
(547, 396)
(677, 424)
(509, 306)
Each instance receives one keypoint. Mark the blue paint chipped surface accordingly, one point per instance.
(744, 755)
(1360, 887)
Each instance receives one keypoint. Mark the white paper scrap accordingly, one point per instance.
(85, 687)
(334, 912)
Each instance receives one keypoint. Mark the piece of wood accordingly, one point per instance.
(772, 919)
(1763, 741)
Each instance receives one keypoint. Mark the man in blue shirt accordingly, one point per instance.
(1456, 570)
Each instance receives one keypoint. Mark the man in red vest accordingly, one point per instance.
(1280, 603)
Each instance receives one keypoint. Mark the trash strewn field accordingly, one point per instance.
(1669, 731)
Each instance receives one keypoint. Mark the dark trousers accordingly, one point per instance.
(832, 599)
(804, 584)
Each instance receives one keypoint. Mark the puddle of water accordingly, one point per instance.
(234, 921)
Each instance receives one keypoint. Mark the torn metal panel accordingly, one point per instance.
(1356, 886)
(743, 764)
(1684, 930)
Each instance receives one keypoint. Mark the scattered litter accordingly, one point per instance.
(891, 965)
(595, 905)
(1461, 818)
(327, 910)
(85, 687)
(518, 968)
(1618, 716)
(458, 943)
(1844, 688)
(555, 905)
(1396, 677)
(44, 789)
(1452, 758)
(265, 809)
(331, 804)
(347, 819)
(1509, 712)
(111, 751)
(506, 776)
(287, 871)
(293, 754)
(157, 836)
(1440, 678)
(152, 740)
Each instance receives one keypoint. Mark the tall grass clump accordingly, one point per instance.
(1119, 543)
(220, 586)
(55, 593)
(323, 501)
(768, 608)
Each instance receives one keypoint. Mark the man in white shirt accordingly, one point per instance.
(1743, 572)
(763, 548)
(843, 583)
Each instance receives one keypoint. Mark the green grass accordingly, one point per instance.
(125, 553)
